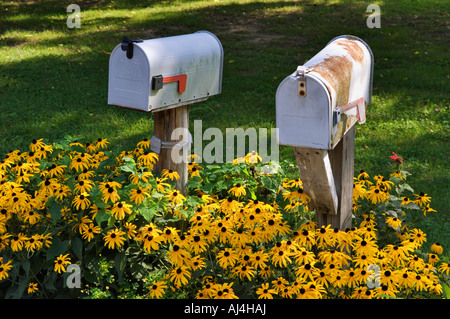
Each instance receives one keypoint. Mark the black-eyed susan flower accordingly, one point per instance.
(178, 256)
(33, 243)
(157, 289)
(61, 262)
(376, 195)
(32, 287)
(120, 210)
(83, 186)
(238, 190)
(176, 197)
(385, 291)
(89, 231)
(161, 186)
(139, 195)
(433, 259)
(422, 199)
(37, 144)
(418, 236)
(180, 275)
(427, 209)
(281, 258)
(144, 144)
(264, 292)
(170, 174)
(101, 143)
(4, 268)
(437, 248)
(244, 271)
(227, 258)
(148, 159)
(151, 243)
(114, 238)
(393, 222)
(18, 241)
(110, 194)
(81, 201)
(170, 234)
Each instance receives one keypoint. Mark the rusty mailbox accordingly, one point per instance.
(317, 107)
(164, 76)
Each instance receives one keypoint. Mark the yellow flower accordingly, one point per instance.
(114, 238)
(238, 190)
(422, 199)
(89, 231)
(145, 143)
(264, 292)
(4, 268)
(180, 275)
(120, 209)
(148, 159)
(437, 248)
(170, 174)
(61, 262)
(393, 222)
(176, 198)
(32, 287)
(83, 186)
(101, 143)
(138, 195)
(157, 289)
(81, 201)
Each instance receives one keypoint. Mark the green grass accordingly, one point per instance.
(53, 80)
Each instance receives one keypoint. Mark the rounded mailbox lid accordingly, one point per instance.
(193, 61)
(303, 120)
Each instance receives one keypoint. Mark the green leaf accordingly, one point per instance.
(77, 247)
(54, 209)
(119, 263)
(446, 290)
(57, 248)
(147, 212)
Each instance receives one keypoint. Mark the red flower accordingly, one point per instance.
(396, 158)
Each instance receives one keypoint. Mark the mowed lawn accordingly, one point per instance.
(54, 80)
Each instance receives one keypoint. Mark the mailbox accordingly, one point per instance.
(318, 103)
(163, 73)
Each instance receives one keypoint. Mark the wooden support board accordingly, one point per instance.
(328, 179)
(165, 122)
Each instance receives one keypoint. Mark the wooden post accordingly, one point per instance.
(165, 122)
(328, 179)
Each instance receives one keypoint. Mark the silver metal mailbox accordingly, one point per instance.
(163, 73)
(326, 96)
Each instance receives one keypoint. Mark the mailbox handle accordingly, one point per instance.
(181, 79)
(127, 45)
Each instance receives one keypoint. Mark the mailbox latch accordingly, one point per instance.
(127, 45)
(301, 81)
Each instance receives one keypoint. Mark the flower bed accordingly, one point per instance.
(243, 230)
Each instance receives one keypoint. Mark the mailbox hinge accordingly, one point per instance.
(301, 78)
(127, 45)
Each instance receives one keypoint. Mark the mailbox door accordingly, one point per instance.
(128, 83)
(303, 120)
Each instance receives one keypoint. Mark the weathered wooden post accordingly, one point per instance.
(316, 110)
(164, 76)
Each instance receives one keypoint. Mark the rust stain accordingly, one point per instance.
(337, 71)
(353, 49)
